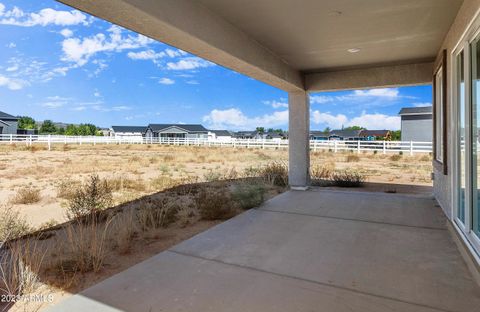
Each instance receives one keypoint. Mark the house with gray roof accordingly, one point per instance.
(178, 131)
(129, 132)
(219, 135)
(416, 124)
(8, 123)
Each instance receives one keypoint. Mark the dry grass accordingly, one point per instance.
(215, 204)
(348, 178)
(12, 225)
(27, 195)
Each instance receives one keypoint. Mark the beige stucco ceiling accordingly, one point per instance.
(314, 35)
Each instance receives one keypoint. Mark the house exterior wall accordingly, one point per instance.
(417, 130)
(443, 184)
(11, 128)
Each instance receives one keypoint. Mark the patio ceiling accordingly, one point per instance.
(283, 42)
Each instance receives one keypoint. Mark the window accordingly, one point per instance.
(439, 115)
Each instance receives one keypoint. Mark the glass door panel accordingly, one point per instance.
(461, 137)
(475, 119)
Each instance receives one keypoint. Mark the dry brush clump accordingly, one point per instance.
(92, 197)
(352, 158)
(214, 204)
(12, 225)
(154, 214)
(275, 173)
(348, 178)
(27, 195)
(248, 196)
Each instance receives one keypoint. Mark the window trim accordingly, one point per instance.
(441, 65)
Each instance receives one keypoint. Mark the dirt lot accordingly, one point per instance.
(161, 195)
(139, 170)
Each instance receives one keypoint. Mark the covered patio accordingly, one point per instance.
(319, 250)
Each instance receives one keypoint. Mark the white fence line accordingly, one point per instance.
(384, 147)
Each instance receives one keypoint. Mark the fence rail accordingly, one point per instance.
(384, 147)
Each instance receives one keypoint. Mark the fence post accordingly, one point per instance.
(49, 142)
(411, 148)
(334, 146)
(11, 139)
(384, 147)
(358, 147)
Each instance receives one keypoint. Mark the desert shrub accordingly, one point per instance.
(27, 195)
(212, 176)
(321, 175)
(214, 204)
(124, 228)
(352, 158)
(66, 188)
(93, 196)
(248, 196)
(12, 225)
(121, 183)
(251, 172)
(84, 247)
(396, 157)
(425, 158)
(275, 173)
(20, 265)
(157, 213)
(348, 178)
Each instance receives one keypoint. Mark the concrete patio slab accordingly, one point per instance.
(290, 256)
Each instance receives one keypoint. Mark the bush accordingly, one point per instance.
(66, 188)
(158, 213)
(214, 204)
(348, 178)
(353, 158)
(12, 225)
(90, 198)
(27, 195)
(248, 196)
(275, 173)
(320, 175)
(396, 157)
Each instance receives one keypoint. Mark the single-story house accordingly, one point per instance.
(128, 132)
(176, 131)
(319, 135)
(417, 123)
(276, 136)
(345, 135)
(247, 135)
(372, 135)
(8, 123)
(219, 135)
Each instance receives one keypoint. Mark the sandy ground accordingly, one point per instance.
(153, 168)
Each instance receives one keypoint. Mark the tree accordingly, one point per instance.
(355, 128)
(48, 127)
(25, 122)
(327, 130)
(396, 135)
(260, 130)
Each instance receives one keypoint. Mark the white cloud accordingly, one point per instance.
(235, 118)
(329, 120)
(276, 104)
(189, 63)
(146, 55)
(422, 104)
(44, 17)
(80, 50)
(96, 94)
(66, 32)
(166, 81)
(320, 99)
(382, 92)
(11, 45)
(369, 121)
(12, 68)
(12, 83)
(192, 82)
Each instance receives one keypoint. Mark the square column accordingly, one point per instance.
(299, 140)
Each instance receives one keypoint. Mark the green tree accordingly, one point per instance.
(327, 130)
(26, 122)
(355, 128)
(396, 135)
(71, 130)
(260, 129)
(48, 127)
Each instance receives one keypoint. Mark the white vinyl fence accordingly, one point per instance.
(384, 147)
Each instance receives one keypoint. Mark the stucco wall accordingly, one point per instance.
(417, 130)
(443, 183)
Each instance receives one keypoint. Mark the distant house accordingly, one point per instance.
(416, 124)
(247, 135)
(8, 123)
(275, 136)
(372, 135)
(219, 135)
(319, 135)
(128, 132)
(106, 132)
(176, 131)
(345, 135)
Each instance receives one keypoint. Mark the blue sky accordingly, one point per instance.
(61, 64)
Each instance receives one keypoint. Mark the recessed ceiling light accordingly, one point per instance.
(353, 50)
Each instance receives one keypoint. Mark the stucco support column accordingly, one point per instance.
(298, 135)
